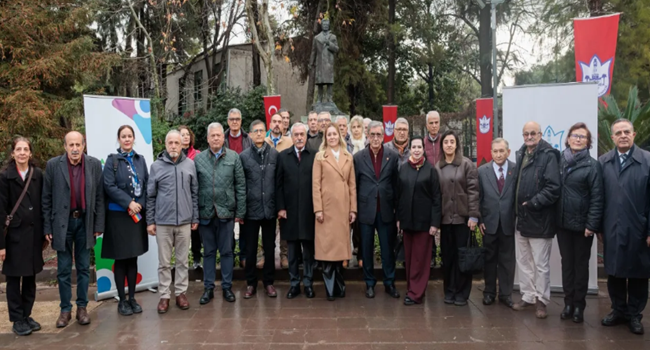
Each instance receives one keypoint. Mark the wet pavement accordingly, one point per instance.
(350, 323)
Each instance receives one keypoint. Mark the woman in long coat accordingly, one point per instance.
(335, 206)
(21, 249)
(125, 237)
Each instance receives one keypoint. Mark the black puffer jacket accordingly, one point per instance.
(581, 198)
(539, 188)
(260, 182)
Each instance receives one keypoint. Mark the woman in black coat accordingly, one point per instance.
(419, 213)
(21, 249)
(125, 237)
(580, 209)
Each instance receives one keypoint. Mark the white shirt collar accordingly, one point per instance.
(496, 169)
(298, 150)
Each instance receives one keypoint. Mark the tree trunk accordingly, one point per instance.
(312, 73)
(430, 86)
(265, 34)
(257, 72)
(485, 51)
(595, 8)
(390, 90)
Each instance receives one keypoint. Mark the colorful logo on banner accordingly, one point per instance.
(271, 106)
(595, 45)
(390, 116)
(484, 130)
(139, 111)
(484, 125)
(554, 138)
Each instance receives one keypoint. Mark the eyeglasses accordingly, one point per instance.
(532, 133)
(375, 135)
(257, 131)
(234, 119)
(578, 136)
(401, 129)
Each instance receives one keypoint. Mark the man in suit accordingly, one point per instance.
(73, 213)
(626, 227)
(376, 174)
(497, 205)
(295, 207)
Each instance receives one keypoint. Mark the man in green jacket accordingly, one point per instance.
(222, 202)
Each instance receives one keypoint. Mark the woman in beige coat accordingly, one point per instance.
(335, 206)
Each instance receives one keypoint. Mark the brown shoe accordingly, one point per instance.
(271, 292)
(250, 291)
(520, 305)
(182, 303)
(284, 262)
(163, 306)
(82, 316)
(541, 310)
(64, 319)
(260, 263)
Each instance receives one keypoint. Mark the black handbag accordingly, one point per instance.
(471, 258)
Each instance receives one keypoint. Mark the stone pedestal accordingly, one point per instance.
(326, 107)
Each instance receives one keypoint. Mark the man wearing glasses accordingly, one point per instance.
(400, 142)
(538, 188)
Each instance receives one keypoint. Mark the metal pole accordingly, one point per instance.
(495, 100)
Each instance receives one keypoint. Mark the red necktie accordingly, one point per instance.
(299, 152)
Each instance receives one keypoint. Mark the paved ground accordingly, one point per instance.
(351, 323)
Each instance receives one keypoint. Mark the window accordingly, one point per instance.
(182, 99)
(198, 89)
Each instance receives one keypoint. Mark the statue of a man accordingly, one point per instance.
(323, 51)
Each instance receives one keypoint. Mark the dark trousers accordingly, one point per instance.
(629, 296)
(217, 234)
(20, 300)
(575, 250)
(75, 243)
(386, 233)
(293, 250)
(250, 231)
(196, 246)
(333, 278)
(242, 245)
(457, 285)
(126, 270)
(500, 262)
(417, 260)
(434, 251)
(356, 238)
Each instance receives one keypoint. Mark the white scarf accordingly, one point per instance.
(358, 145)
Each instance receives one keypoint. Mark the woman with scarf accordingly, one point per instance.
(460, 213)
(187, 142)
(418, 218)
(357, 141)
(580, 209)
(125, 235)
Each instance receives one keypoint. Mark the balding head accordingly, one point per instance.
(74, 145)
(532, 133)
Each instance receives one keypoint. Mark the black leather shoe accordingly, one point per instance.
(135, 306)
(636, 326)
(228, 295)
(35, 326)
(21, 328)
(330, 297)
(408, 301)
(613, 319)
(208, 294)
(392, 291)
(124, 308)
(309, 292)
(293, 292)
(567, 312)
(370, 292)
(449, 301)
(578, 315)
(507, 301)
(488, 299)
(460, 302)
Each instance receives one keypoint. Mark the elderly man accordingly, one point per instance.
(366, 122)
(73, 212)
(400, 142)
(172, 212)
(376, 174)
(433, 153)
(626, 227)
(222, 202)
(342, 125)
(324, 121)
(497, 224)
(286, 121)
(312, 123)
(537, 190)
(295, 207)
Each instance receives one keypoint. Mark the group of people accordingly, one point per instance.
(330, 186)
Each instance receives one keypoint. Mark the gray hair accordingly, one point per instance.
(432, 114)
(172, 132)
(255, 123)
(298, 125)
(620, 120)
(402, 121)
(366, 120)
(234, 110)
(500, 139)
(356, 119)
(341, 117)
(325, 113)
(215, 125)
(376, 124)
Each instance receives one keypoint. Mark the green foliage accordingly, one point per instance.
(635, 111)
(562, 70)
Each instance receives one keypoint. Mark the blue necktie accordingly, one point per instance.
(623, 160)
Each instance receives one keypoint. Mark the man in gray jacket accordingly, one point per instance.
(73, 213)
(172, 212)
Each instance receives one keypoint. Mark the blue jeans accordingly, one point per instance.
(387, 236)
(217, 234)
(76, 236)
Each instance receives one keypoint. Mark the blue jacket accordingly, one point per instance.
(118, 184)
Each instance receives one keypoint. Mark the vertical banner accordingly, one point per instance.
(271, 106)
(390, 116)
(104, 115)
(484, 130)
(595, 44)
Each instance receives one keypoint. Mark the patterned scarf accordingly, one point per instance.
(137, 188)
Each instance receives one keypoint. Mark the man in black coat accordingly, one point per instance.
(376, 174)
(295, 207)
(497, 181)
(626, 227)
(537, 190)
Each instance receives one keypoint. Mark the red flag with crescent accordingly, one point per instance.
(271, 106)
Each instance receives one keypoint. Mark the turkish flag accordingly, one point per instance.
(484, 130)
(595, 43)
(390, 116)
(271, 106)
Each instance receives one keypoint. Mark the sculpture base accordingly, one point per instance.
(326, 107)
